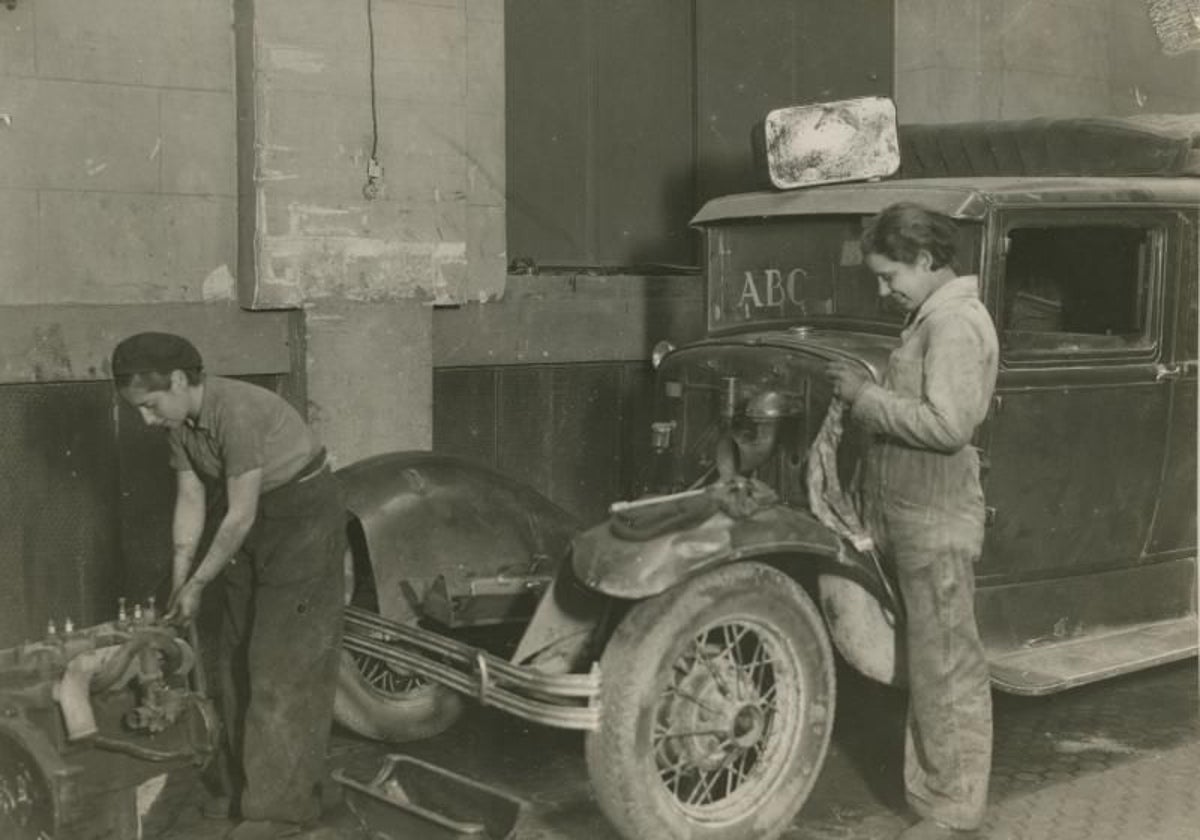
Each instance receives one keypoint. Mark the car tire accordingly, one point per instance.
(379, 702)
(698, 739)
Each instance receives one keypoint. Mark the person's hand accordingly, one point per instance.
(848, 380)
(185, 602)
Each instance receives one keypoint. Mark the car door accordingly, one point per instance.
(1075, 441)
(1174, 528)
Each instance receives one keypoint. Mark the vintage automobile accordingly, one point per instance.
(693, 635)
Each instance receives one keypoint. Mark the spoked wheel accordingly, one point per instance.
(27, 807)
(380, 701)
(722, 700)
(384, 679)
(717, 709)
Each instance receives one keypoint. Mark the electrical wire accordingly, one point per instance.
(371, 68)
(373, 187)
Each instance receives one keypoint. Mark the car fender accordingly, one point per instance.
(863, 629)
(852, 598)
(415, 516)
(636, 569)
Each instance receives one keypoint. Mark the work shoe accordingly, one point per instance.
(263, 830)
(934, 830)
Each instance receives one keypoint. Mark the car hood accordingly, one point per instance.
(824, 345)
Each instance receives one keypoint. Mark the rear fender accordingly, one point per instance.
(418, 516)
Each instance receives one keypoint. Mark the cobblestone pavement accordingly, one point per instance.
(1119, 760)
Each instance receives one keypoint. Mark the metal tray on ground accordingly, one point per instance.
(407, 798)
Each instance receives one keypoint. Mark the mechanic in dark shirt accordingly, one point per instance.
(923, 504)
(278, 546)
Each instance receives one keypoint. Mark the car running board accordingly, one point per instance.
(1056, 666)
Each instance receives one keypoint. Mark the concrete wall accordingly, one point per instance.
(369, 376)
(117, 152)
(436, 229)
(1006, 59)
(119, 211)
(314, 109)
(558, 319)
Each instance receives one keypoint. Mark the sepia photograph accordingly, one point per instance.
(599, 419)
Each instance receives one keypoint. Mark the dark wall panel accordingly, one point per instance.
(548, 64)
(773, 53)
(599, 131)
(642, 150)
(625, 115)
(59, 545)
(554, 420)
(86, 493)
(577, 433)
(464, 413)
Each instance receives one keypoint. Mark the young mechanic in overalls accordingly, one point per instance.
(923, 504)
(278, 547)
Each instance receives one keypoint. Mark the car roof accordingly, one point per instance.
(961, 198)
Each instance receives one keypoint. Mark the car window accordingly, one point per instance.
(1085, 288)
(803, 269)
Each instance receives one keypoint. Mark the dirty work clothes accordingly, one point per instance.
(923, 505)
(280, 638)
(940, 379)
(948, 743)
(242, 427)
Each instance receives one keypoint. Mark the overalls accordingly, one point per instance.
(923, 505)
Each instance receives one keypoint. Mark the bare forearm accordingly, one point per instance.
(229, 538)
(186, 528)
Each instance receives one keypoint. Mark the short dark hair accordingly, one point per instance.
(901, 231)
(147, 360)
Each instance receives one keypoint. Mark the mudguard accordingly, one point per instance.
(417, 516)
(858, 611)
(642, 568)
(862, 629)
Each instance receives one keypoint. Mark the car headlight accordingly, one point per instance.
(660, 352)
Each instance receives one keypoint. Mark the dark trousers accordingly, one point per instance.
(279, 642)
(925, 511)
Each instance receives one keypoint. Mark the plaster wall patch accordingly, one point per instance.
(218, 285)
(296, 59)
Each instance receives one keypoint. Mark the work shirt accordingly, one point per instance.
(940, 379)
(242, 427)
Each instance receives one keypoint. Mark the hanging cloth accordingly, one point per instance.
(833, 507)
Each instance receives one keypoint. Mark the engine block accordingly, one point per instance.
(87, 716)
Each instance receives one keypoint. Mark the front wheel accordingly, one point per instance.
(717, 708)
